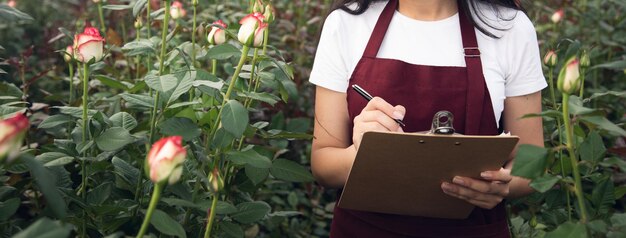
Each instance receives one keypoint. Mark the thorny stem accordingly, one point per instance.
(574, 161)
(193, 45)
(156, 194)
(166, 19)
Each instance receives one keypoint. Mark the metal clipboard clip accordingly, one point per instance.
(442, 123)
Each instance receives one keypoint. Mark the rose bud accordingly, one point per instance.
(68, 54)
(258, 6)
(164, 162)
(12, 132)
(216, 181)
(557, 16)
(89, 45)
(177, 10)
(138, 23)
(97, 1)
(550, 59)
(269, 13)
(252, 30)
(585, 62)
(12, 3)
(569, 79)
(217, 36)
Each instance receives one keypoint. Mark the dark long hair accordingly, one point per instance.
(464, 5)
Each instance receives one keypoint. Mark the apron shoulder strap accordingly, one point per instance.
(376, 39)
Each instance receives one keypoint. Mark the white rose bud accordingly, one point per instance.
(89, 45)
(557, 16)
(12, 133)
(177, 10)
(217, 36)
(569, 77)
(164, 162)
(550, 59)
(252, 30)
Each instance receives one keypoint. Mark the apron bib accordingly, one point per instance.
(424, 90)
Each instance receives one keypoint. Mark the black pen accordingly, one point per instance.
(369, 97)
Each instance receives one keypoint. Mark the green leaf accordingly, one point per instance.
(139, 47)
(47, 184)
(183, 203)
(250, 212)
(602, 195)
(117, 7)
(235, 118)
(223, 52)
(530, 161)
(569, 230)
(544, 183)
(114, 138)
(224, 208)
(45, 228)
(604, 124)
(124, 120)
(576, 106)
(100, 194)
(111, 82)
(76, 112)
(166, 225)
(139, 6)
(183, 86)
(53, 121)
(161, 83)
(290, 171)
(256, 175)
(249, 157)
(126, 172)
(609, 93)
(179, 126)
(615, 65)
(231, 230)
(8, 208)
(9, 14)
(141, 100)
(263, 97)
(598, 226)
(592, 149)
(618, 219)
(620, 192)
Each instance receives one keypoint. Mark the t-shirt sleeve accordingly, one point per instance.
(524, 73)
(329, 67)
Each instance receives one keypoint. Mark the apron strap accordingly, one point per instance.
(476, 81)
(376, 39)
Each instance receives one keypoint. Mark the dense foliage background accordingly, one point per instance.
(280, 205)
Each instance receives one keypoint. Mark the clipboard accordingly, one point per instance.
(401, 173)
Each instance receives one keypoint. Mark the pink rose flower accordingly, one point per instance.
(68, 54)
(89, 45)
(252, 30)
(217, 36)
(12, 132)
(165, 160)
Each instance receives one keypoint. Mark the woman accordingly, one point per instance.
(478, 59)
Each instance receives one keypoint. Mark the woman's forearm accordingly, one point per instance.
(331, 166)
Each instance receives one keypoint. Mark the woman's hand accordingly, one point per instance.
(486, 193)
(377, 115)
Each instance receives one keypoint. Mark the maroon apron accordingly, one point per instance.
(424, 90)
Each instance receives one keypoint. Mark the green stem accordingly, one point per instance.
(138, 59)
(156, 194)
(574, 161)
(582, 82)
(83, 187)
(214, 67)
(71, 68)
(209, 224)
(551, 82)
(101, 14)
(193, 45)
(233, 80)
(155, 109)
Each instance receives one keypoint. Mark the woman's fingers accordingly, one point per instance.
(380, 117)
(483, 200)
(381, 105)
(489, 187)
(503, 175)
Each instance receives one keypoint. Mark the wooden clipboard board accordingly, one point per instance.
(401, 173)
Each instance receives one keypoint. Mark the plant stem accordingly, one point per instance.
(71, 68)
(156, 194)
(209, 225)
(572, 156)
(193, 46)
(166, 20)
(582, 82)
(101, 14)
(551, 82)
(85, 95)
(149, 32)
(214, 67)
(83, 187)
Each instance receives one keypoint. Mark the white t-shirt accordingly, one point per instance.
(511, 64)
